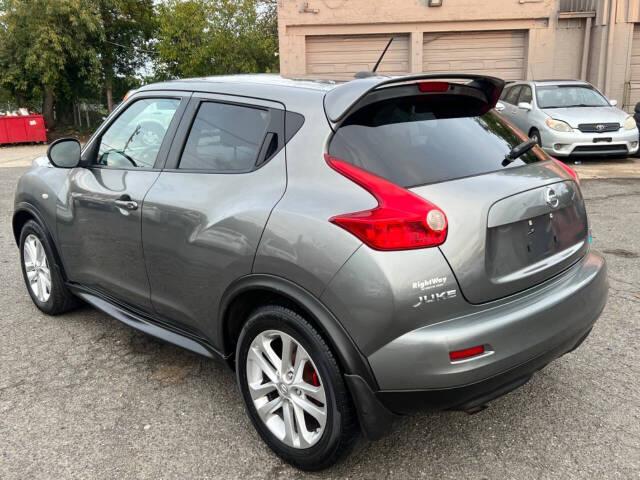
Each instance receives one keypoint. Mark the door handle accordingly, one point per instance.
(126, 203)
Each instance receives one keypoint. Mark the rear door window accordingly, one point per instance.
(414, 141)
(505, 92)
(225, 137)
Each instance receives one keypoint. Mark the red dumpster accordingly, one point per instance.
(19, 129)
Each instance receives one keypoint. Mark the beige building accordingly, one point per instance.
(596, 40)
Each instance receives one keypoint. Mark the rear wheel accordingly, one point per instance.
(293, 389)
(535, 136)
(41, 275)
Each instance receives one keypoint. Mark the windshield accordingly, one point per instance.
(414, 141)
(563, 96)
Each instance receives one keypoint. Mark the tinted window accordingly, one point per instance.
(525, 95)
(513, 95)
(225, 137)
(505, 92)
(135, 137)
(554, 96)
(413, 141)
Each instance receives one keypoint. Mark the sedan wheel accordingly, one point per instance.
(535, 136)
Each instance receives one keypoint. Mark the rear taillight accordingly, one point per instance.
(567, 169)
(402, 220)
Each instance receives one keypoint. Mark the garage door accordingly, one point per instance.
(634, 90)
(501, 54)
(339, 57)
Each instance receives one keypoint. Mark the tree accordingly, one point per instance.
(127, 26)
(200, 37)
(48, 49)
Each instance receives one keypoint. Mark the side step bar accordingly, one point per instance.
(146, 324)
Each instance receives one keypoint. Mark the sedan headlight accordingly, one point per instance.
(558, 125)
(629, 123)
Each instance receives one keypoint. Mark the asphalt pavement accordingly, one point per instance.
(83, 396)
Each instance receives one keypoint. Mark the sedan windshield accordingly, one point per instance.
(563, 96)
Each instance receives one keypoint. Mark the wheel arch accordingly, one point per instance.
(251, 291)
(22, 214)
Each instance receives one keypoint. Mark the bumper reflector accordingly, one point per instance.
(466, 353)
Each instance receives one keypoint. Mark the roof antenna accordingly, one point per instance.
(372, 73)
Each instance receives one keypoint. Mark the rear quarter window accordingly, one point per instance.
(419, 140)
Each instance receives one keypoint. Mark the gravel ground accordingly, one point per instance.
(83, 396)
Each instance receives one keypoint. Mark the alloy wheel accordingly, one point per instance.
(286, 389)
(37, 267)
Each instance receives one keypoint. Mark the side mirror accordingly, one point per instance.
(64, 153)
(499, 106)
(613, 103)
(524, 106)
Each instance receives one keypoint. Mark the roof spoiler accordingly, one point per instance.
(340, 100)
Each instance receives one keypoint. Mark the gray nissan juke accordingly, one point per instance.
(355, 251)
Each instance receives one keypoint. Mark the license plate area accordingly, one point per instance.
(602, 139)
(513, 246)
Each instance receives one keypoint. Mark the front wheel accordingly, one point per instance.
(293, 389)
(41, 274)
(535, 136)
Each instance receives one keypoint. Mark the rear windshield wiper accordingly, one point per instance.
(518, 151)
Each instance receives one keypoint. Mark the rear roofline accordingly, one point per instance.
(339, 101)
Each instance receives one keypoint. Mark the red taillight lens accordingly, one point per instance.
(466, 353)
(402, 220)
(433, 86)
(567, 169)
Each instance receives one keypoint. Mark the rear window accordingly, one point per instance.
(426, 139)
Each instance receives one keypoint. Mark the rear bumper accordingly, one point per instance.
(513, 330)
(576, 143)
(526, 334)
(479, 393)
(377, 411)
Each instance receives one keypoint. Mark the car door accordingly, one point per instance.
(510, 101)
(99, 219)
(203, 218)
(521, 116)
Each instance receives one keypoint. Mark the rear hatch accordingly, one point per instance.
(510, 225)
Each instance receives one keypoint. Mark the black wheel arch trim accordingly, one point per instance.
(39, 218)
(352, 360)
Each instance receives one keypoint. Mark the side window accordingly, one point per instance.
(513, 95)
(135, 137)
(505, 92)
(225, 137)
(525, 95)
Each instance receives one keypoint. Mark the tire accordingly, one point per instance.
(57, 298)
(329, 443)
(534, 134)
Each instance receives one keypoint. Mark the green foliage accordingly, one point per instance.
(200, 37)
(61, 51)
(128, 26)
(49, 46)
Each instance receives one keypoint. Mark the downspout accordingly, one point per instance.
(585, 49)
(610, 36)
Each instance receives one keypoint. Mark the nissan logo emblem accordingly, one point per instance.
(551, 198)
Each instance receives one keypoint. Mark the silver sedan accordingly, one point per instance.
(569, 117)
